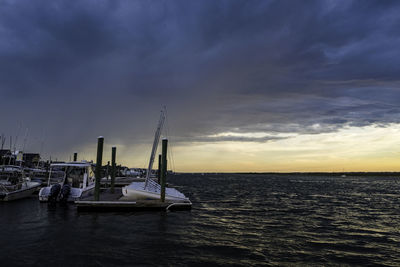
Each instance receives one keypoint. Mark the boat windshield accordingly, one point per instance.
(12, 177)
(73, 175)
(10, 174)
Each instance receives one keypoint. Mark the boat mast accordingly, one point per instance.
(3, 140)
(155, 145)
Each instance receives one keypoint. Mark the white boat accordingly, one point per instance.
(77, 182)
(36, 174)
(138, 191)
(14, 185)
(150, 189)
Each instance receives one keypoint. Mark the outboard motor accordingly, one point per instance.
(65, 191)
(54, 191)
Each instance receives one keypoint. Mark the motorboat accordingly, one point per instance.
(14, 184)
(150, 189)
(73, 181)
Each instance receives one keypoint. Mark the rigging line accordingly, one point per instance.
(172, 156)
(25, 139)
(167, 136)
(16, 137)
(41, 148)
(155, 145)
(170, 151)
(42, 141)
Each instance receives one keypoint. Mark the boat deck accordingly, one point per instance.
(116, 202)
(121, 181)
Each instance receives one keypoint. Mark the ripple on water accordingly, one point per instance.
(237, 219)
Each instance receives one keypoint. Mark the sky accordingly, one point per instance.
(277, 86)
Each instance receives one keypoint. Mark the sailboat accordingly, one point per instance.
(150, 189)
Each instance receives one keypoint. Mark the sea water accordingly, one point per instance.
(236, 220)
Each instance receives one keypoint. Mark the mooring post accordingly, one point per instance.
(100, 142)
(163, 176)
(75, 156)
(113, 153)
(159, 169)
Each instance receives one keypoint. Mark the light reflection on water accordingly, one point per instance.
(237, 219)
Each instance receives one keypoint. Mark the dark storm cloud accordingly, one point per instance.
(78, 69)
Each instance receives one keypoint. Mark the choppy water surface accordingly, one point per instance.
(237, 219)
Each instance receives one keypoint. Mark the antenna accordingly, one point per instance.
(3, 140)
(168, 135)
(9, 160)
(41, 148)
(25, 137)
(16, 137)
(42, 143)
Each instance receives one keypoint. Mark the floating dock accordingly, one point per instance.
(116, 202)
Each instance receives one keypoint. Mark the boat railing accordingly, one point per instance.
(3, 188)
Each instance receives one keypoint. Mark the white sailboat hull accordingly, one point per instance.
(136, 191)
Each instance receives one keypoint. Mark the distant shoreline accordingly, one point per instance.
(303, 173)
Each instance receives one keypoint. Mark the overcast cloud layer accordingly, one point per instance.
(73, 70)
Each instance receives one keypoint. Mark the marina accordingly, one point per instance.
(199, 133)
(94, 187)
(138, 195)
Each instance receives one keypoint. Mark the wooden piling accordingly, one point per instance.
(159, 169)
(100, 142)
(113, 169)
(107, 174)
(163, 176)
(75, 156)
